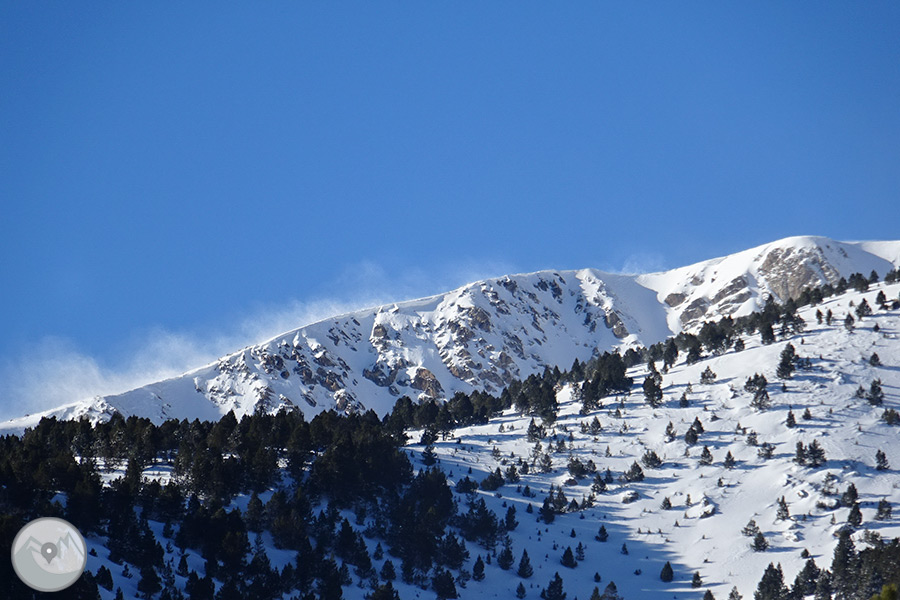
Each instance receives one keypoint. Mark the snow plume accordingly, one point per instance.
(639, 263)
(55, 371)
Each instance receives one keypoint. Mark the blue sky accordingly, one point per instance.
(178, 181)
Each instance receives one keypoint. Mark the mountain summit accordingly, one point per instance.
(485, 334)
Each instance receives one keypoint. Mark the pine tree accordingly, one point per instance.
(520, 591)
(706, 457)
(791, 421)
(579, 552)
(800, 454)
(505, 558)
(785, 368)
(708, 596)
(883, 513)
(707, 376)
(771, 586)
(568, 559)
(690, 436)
(667, 574)
(750, 529)
(525, 570)
(734, 594)
(443, 585)
(696, 580)
(554, 590)
(875, 395)
(388, 573)
(815, 455)
(875, 360)
(634, 473)
(760, 543)
(729, 462)
(611, 592)
(478, 569)
(670, 432)
(850, 496)
(849, 322)
(602, 535)
(855, 516)
(149, 583)
(843, 565)
(546, 512)
(782, 513)
(881, 461)
(652, 391)
(384, 592)
(651, 460)
(666, 503)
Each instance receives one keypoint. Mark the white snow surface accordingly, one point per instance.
(703, 535)
(848, 428)
(481, 336)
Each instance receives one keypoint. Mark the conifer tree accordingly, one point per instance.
(855, 516)
(734, 594)
(706, 457)
(883, 512)
(881, 461)
(443, 585)
(875, 395)
(478, 569)
(666, 574)
(505, 557)
(696, 580)
(791, 421)
(729, 462)
(385, 591)
(634, 473)
(785, 368)
(520, 591)
(670, 432)
(611, 592)
(849, 496)
(708, 595)
(782, 513)
(568, 558)
(760, 543)
(525, 570)
(771, 586)
(554, 590)
(815, 455)
(602, 535)
(750, 529)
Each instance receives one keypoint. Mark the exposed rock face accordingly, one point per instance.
(788, 270)
(694, 311)
(483, 335)
(614, 322)
(674, 299)
(425, 381)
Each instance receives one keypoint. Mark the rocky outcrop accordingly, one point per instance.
(614, 321)
(788, 270)
(425, 381)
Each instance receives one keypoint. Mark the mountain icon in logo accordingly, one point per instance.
(49, 554)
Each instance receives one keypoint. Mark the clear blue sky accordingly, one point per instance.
(176, 179)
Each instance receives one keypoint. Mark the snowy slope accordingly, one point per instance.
(483, 335)
(701, 535)
(848, 428)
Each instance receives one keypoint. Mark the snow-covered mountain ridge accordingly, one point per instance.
(692, 512)
(483, 335)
